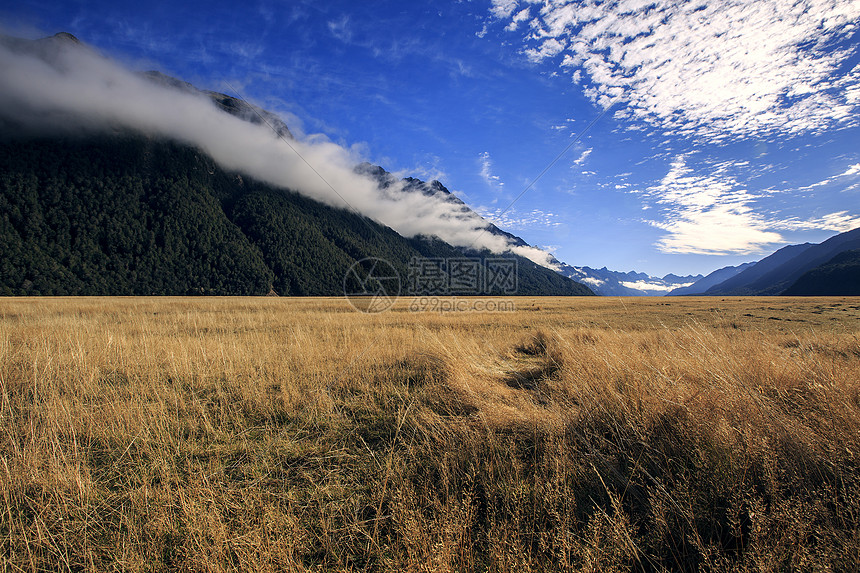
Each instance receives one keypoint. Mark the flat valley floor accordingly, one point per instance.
(555, 434)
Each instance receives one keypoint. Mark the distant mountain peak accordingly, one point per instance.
(165, 80)
(65, 37)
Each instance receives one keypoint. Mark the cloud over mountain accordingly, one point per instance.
(60, 85)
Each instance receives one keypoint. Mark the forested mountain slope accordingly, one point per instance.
(125, 214)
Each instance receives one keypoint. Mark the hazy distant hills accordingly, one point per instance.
(614, 283)
(776, 273)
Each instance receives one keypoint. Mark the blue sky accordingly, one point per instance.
(730, 128)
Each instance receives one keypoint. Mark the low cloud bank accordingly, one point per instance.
(58, 85)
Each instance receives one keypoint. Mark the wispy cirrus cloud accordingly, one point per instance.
(852, 172)
(708, 69)
(341, 29)
(840, 222)
(486, 172)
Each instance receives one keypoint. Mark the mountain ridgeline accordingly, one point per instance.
(798, 270)
(116, 211)
(126, 214)
(614, 283)
(120, 212)
(716, 277)
(831, 268)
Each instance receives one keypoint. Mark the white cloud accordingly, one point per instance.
(711, 69)
(591, 281)
(520, 16)
(709, 211)
(839, 222)
(708, 214)
(583, 157)
(645, 285)
(538, 256)
(547, 49)
(503, 8)
(851, 171)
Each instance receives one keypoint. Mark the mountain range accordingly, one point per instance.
(780, 272)
(829, 268)
(614, 283)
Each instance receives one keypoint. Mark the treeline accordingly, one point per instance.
(130, 215)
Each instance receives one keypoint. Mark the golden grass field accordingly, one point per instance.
(580, 434)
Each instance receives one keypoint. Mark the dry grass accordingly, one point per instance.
(573, 434)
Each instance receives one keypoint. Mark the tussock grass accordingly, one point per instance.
(295, 435)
